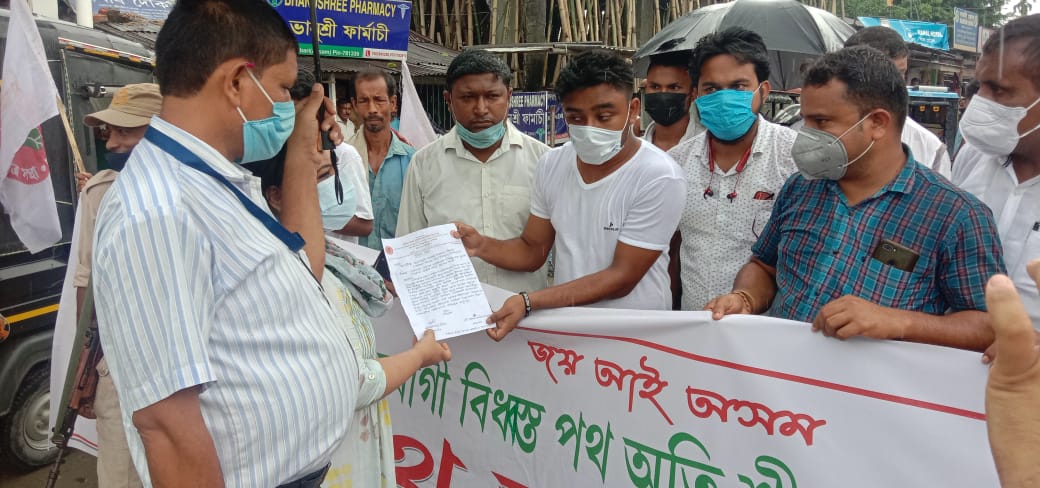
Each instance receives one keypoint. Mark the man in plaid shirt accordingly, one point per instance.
(865, 241)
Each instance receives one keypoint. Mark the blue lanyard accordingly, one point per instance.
(292, 240)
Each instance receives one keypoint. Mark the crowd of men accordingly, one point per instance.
(207, 244)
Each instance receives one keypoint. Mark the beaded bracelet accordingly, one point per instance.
(527, 303)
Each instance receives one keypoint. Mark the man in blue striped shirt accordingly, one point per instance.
(219, 339)
(865, 241)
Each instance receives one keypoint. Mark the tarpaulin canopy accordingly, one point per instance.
(793, 32)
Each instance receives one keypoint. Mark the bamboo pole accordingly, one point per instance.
(580, 11)
(470, 10)
(595, 21)
(421, 22)
(457, 20)
(565, 21)
(494, 23)
(657, 16)
(77, 158)
(445, 23)
(549, 21)
(632, 40)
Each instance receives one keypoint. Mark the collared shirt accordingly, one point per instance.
(384, 186)
(821, 246)
(718, 232)
(1016, 208)
(693, 129)
(926, 147)
(192, 290)
(446, 183)
(90, 199)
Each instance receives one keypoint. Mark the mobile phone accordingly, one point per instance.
(382, 267)
(895, 255)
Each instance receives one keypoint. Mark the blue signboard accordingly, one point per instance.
(926, 34)
(372, 29)
(965, 30)
(145, 9)
(538, 115)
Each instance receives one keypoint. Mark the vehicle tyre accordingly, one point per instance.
(25, 435)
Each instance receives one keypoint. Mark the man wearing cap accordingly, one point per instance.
(127, 118)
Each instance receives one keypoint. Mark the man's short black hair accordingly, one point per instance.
(592, 68)
(199, 35)
(478, 62)
(871, 80)
(744, 45)
(882, 38)
(1026, 29)
(369, 74)
(674, 59)
(342, 101)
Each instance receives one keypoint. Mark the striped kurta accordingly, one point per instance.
(193, 290)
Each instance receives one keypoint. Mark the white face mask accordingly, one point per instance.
(594, 145)
(992, 127)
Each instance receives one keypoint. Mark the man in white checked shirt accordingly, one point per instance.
(218, 336)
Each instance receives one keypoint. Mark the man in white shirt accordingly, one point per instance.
(733, 171)
(481, 171)
(352, 170)
(926, 147)
(669, 94)
(345, 117)
(606, 200)
(1000, 159)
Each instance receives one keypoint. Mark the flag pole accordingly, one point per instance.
(77, 158)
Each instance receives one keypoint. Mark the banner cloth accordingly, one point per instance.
(587, 397)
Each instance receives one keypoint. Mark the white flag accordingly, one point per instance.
(415, 125)
(28, 97)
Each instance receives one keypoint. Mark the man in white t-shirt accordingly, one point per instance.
(607, 200)
(352, 171)
(926, 147)
(1000, 160)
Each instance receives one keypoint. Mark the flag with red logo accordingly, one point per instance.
(28, 97)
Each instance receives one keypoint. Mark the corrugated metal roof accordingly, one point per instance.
(426, 59)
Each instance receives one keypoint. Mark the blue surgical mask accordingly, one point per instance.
(727, 114)
(262, 139)
(334, 215)
(117, 161)
(485, 138)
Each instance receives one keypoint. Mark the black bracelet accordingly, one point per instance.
(527, 303)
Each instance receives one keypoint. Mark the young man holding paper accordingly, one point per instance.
(603, 200)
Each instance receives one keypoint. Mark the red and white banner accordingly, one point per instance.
(28, 98)
(595, 397)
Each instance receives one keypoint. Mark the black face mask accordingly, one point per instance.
(116, 161)
(665, 108)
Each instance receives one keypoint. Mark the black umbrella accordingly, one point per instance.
(793, 32)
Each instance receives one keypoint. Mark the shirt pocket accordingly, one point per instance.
(758, 215)
(516, 207)
(889, 286)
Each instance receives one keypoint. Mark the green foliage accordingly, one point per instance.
(938, 11)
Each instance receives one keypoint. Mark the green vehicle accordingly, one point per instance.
(88, 66)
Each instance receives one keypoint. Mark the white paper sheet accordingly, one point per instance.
(436, 283)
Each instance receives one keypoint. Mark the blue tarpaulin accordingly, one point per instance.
(928, 34)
